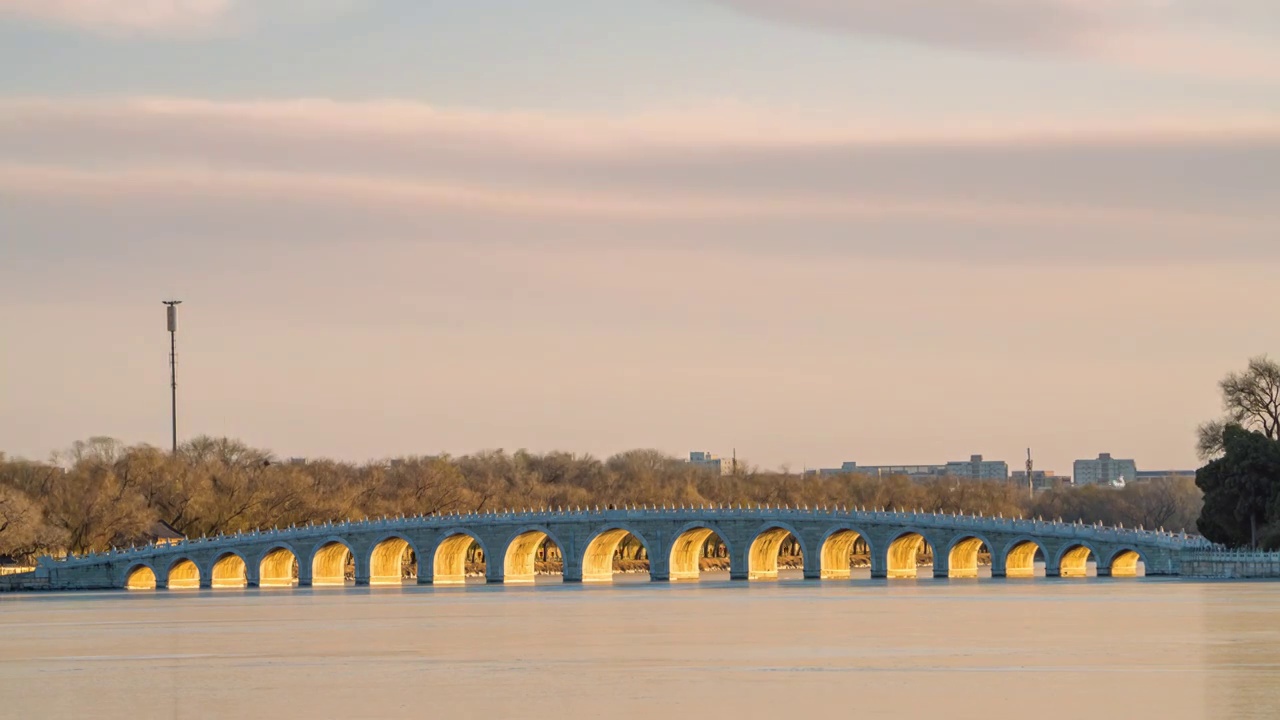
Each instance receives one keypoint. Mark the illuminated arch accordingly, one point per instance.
(519, 562)
(1020, 558)
(1124, 563)
(762, 555)
(903, 555)
(278, 567)
(962, 558)
(837, 552)
(1073, 561)
(687, 550)
(388, 558)
(329, 562)
(597, 559)
(184, 574)
(230, 571)
(449, 563)
(140, 577)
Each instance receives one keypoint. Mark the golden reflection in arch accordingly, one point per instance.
(279, 568)
(837, 555)
(391, 561)
(184, 575)
(962, 561)
(1075, 562)
(762, 556)
(688, 550)
(1021, 561)
(1125, 564)
(597, 560)
(229, 571)
(450, 565)
(520, 563)
(140, 578)
(329, 564)
(905, 554)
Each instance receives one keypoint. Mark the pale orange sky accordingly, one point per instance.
(878, 236)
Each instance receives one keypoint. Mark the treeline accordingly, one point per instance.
(102, 493)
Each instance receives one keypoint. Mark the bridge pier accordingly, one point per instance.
(813, 562)
(493, 571)
(572, 569)
(941, 563)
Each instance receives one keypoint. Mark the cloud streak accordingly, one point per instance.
(1166, 35)
(406, 170)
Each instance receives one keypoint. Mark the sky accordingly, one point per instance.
(812, 231)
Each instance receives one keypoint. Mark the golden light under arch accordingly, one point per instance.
(389, 559)
(904, 554)
(449, 564)
(140, 577)
(520, 562)
(687, 551)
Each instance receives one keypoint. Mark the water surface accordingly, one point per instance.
(986, 650)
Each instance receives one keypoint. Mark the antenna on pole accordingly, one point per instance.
(1031, 485)
(171, 316)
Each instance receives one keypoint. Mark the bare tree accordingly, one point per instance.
(1250, 399)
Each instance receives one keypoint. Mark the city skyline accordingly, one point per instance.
(814, 231)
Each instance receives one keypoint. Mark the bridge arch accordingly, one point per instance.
(962, 554)
(329, 559)
(597, 559)
(449, 561)
(762, 554)
(520, 559)
(1020, 557)
(687, 548)
(230, 570)
(903, 554)
(140, 576)
(184, 574)
(837, 551)
(278, 566)
(1124, 562)
(1073, 559)
(388, 557)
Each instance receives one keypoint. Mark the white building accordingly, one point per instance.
(1105, 470)
(713, 463)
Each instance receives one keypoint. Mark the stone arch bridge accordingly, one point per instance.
(674, 539)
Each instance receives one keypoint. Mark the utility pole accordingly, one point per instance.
(171, 315)
(1031, 484)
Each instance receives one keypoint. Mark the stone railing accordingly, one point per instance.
(1225, 563)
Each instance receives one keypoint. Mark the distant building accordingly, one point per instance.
(975, 468)
(1040, 479)
(712, 463)
(915, 472)
(1105, 470)
(978, 469)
